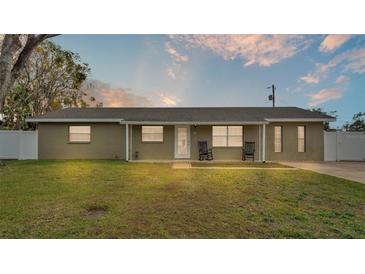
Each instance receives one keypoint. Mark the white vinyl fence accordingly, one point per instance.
(344, 146)
(18, 144)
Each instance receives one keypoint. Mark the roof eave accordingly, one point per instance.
(300, 119)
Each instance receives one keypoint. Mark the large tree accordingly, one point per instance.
(15, 51)
(357, 124)
(51, 79)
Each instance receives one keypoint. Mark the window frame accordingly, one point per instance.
(227, 135)
(281, 139)
(304, 139)
(152, 141)
(78, 142)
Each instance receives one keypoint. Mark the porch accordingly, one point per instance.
(162, 142)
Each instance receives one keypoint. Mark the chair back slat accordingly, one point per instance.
(203, 146)
(249, 147)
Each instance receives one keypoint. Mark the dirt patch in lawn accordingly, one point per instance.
(96, 211)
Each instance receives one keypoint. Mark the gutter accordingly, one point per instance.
(301, 120)
(73, 120)
(122, 121)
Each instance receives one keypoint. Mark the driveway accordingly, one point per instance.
(354, 171)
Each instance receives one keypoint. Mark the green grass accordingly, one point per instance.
(51, 199)
(238, 164)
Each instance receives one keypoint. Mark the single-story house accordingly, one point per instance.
(148, 133)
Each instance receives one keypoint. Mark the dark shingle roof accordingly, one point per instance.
(185, 114)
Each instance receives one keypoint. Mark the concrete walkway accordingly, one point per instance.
(181, 165)
(185, 165)
(354, 171)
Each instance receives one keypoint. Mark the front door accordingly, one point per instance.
(182, 142)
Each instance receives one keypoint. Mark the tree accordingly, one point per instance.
(51, 79)
(357, 124)
(15, 51)
(331, 113)
(18, 107)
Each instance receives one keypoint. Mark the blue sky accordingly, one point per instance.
(326, 71)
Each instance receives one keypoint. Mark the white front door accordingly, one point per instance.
(182, 142)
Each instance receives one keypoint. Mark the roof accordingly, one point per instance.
(194, 115)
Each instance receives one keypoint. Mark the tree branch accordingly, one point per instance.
(32, 42)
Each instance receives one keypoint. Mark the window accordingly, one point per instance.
(227, 136)
(278, 142)
(301, 138)
(79, 134)
(152, 133)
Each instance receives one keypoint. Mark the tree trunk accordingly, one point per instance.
(10, 70)
(11, 45)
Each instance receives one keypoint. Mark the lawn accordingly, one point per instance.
(113, 199)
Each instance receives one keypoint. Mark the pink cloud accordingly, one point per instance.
(351, 60)
(263, 50)
(121, 97)
(167, 100)
(323, 96)
(342, 79)
(333, 42)
(310, 79)
(114, 96)
(178, 57)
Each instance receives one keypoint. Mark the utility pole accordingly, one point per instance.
(272, 96)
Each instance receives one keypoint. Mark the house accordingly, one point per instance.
(280, 133)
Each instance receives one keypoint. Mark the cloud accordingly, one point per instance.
(167, 100)
(122, 97)
(333, 42)
(171, 73)
(348, 61)
(178, 57)
(342, 79)
(114, 96)
(323, 96)
(310, 79)
(263, 50)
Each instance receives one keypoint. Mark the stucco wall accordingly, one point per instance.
(151, 150)
(251, 134)
(204, 133)
(314, 142)
(107, 142)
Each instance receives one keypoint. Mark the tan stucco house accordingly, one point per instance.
(279, 134)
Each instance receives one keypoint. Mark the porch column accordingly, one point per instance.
(131, 143)
(126, 142)
(264, 143)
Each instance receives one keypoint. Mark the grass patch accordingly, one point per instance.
(54, 199)
(238, 164)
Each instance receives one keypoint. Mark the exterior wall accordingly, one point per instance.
(251, 133)
(107, 142)
(152, 150)
(314, 142)
(204, 133)
(199, 133)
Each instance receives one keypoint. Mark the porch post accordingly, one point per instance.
(264, 143)
(260, 138)
(126, 142)
(131, 143)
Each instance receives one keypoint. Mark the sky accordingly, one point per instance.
(310, 71)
